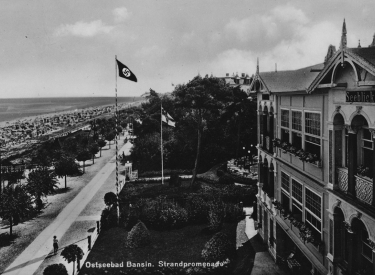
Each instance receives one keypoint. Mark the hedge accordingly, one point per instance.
(139, 236)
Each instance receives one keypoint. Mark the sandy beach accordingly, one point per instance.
(52, 114)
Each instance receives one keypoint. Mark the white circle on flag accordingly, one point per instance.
(126, 72)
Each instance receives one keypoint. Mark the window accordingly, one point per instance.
(285, 201)
(285, 118)
(284, 135)
(366, 248)
(367, 147)
(346, 147)
(313, 209)
(297, 126)
(285, 182)
(297, 191)
(297, 120)
(265, 97)
(297, 200)
(312, 133)
(312, 123)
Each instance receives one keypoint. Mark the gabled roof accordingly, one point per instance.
(362, 56)
(367, 54)
(290, 81)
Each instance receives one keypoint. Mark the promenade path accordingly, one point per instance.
(71, 225)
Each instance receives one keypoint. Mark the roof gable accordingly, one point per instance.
(289, 81)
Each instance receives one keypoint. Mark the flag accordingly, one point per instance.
(165, 117)
(124, 72)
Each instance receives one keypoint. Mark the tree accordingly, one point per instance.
(40, 183)
(101, 143)
(110, 136)
(84, 155)
(110, 199)
(94, 149)
(241, 112)
(15, 203)
(119, 130)
(66, 166)
(55, 269)
(72, 253)
(199, 99)
(70, 145)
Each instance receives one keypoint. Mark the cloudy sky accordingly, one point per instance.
(68, 47)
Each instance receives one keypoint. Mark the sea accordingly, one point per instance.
(18, 108)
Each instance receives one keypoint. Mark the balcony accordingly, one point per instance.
(268, 143)
(342, 178)
(363, 189)
(363, 186)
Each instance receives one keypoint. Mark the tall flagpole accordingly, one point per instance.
(161, 142)
(116, 115)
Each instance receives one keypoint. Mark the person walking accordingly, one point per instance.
(55, 244)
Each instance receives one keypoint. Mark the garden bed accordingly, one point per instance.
(173, 246)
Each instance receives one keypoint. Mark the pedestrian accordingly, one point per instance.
(55, 244)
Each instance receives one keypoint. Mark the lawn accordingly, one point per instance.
(178, 245)
(172, 246)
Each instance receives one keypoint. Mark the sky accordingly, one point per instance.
(66, 48)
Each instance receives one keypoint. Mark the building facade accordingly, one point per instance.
(316, 162)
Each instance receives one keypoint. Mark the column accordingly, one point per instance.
(271, 179)
(260, 127)
(271, 131)
(265, 126)
(352, 161)
(260, 166)
(351, 248)
(265, 177)
(373, 170)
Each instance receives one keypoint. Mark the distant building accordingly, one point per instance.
(316, 155)
(242, 81)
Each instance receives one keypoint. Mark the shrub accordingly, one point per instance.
(149, 212)
(55, 269)
(216, 212)
(108, 218)
(173, 217)
(219, 172)
(218, 248)
(110, 198)
(226, 180)
(139, 236)
(175, 180)
(232, 212)
(197, 209)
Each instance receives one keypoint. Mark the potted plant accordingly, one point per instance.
(363, 171)
(293, 150)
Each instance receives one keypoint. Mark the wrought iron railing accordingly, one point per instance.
(342, 177)
(268, 143)
(363, 189)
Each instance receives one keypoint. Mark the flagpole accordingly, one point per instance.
(161, 142)
(118, 206)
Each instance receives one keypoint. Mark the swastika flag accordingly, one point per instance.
(124, 72)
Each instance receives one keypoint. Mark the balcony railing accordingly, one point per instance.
(268, 143)
(363, 189)
(363, 186)
(342, 177)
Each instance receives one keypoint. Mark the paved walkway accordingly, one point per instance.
(32, 257)
(263, 263)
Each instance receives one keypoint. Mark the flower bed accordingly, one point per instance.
(286, 147)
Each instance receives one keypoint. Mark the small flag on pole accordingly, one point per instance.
(124, 72)
(165, 117)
